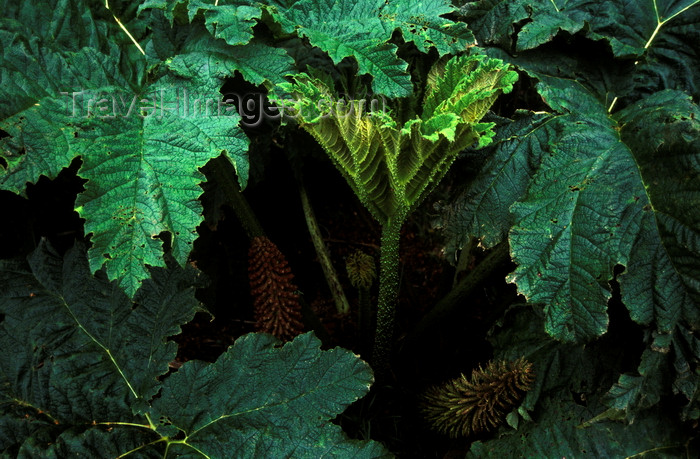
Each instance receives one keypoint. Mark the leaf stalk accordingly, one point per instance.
(324, 257)
(388, 294)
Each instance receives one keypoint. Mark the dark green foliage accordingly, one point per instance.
(588, 175)
(84, 373)
(606, 177)
(566, 401)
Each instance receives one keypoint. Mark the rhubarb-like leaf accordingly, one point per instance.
(38, 83)
(58, 24)
(202, 58)
(348, 28)
(658, 36)
(361, 29)
(75, 349)
(82, 364)
(636, 208)
(563, 415)
(582, 215)
(232, 21)
(259, 397)
(573, 225)
(141, 137)
(143, 179)
(493, 22)
(661, 283)
(561, 432)
(630, 27)
(482, 209)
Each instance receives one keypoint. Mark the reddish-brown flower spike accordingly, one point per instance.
(275, 301)
(461, 407)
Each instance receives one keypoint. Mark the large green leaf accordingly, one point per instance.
(361, 29)
(493, 22)
(348, 28)
(75, 349)
(661, 284)
(662, 280)
(232, 21)
(658, 36)
(39, 83)
(192, 52)
(202, 58)
(618, 191)
(60, 24)
(482, 209)
(258, 397)
(604, 76)
(637, 208)
(37, 89)
(622, 212)
(144, 178)
(84, 374)
(141, 137)
(562, 416)
(574, 224)
(630, 27)
(559, 433)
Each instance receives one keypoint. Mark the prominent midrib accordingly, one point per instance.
(103, 347)
(334, 383)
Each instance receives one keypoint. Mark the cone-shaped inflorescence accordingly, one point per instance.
(461, 406)
(275, 301)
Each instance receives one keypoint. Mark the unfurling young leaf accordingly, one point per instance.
(392, 164)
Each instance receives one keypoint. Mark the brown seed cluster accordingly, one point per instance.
(461, 406)
(275, 301)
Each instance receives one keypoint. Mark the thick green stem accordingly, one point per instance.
(388, 295)
(364, 320)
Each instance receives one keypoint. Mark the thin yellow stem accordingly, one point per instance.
(682, 10)
(660, 448)
(128, 34)
(659, 24)
(653, 35)
(119, 423)
(160, 440)
(150, 422)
